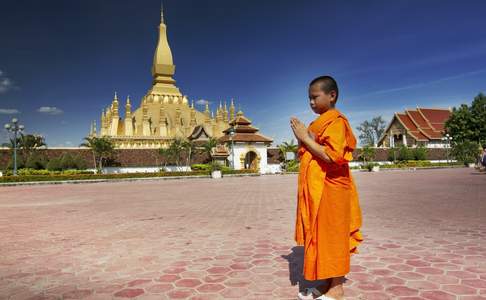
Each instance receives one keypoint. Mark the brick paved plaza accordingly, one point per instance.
(232, 238)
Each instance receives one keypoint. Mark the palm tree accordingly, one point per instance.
(176, 148)
(190, 148)
(29, 143)
(288, 147)
(209, 145)
(89, 142)
(101, 147)
(166, 155)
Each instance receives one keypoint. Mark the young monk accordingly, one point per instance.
(328, 212)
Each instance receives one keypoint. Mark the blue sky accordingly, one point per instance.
(61, 61)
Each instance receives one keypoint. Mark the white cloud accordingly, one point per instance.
(50, 110)
(202, 102)
(9, 111)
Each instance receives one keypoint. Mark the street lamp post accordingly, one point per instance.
(14, 127)
(447, 139)
(232, 133)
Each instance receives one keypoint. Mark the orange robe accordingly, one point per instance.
(328, 212)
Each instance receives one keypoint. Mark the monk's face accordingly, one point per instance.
(320, 101)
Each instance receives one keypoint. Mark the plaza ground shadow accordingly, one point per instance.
(296, 266)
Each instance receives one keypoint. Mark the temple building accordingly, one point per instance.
(419, 127)
(164, 112)
(247, 147)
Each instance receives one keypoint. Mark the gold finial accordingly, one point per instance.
(128, 100)
(161, 12)
(115, 98)
(207, 106)
(192, 104)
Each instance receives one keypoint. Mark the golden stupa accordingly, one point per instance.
(164, 113)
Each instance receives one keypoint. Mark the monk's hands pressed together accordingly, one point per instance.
(300, 130)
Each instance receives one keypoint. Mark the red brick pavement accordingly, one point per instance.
(232, 238)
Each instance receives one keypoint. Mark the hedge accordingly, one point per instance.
(64, 177)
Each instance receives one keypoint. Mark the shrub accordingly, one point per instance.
(28, 171)
(67, 162)
(369, 166)
(54, 164)
(420, 153)
(80, 163)
(20, 163)
(404, 154)
(36, 162)
(393, 154)
(293, 166)
(367, 153)
(200, 167)
(215, 166)
(465, 152)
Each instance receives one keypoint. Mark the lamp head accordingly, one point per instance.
(7, 126)
(15, 120)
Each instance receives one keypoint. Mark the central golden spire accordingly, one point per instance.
(163, 67)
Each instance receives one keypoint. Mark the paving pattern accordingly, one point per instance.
(232, 239)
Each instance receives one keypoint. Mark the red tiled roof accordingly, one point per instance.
(411, 128)
(240, 120)
(435, 116)
(407, 122)
(432, 134)
(424, 124)
(245, 137)
(244, 132)
(439, 127)
(417, 118)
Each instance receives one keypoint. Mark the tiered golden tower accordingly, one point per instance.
(164, 112)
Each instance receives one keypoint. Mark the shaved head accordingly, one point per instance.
(326, 84)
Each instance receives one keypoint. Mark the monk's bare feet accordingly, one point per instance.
(336, 290)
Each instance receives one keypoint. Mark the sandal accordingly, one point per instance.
(324, 297)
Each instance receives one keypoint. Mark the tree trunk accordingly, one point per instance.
(101, 164)
(94, 160)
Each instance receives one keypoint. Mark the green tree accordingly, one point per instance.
(468, 123)
(176, 149)
(54, 164)
(287, 147)
(209, 145)
(27, 145)
(420, 153)
(460, 124)
(190, 149)
(466, 151)
(467, 126)
(101, 147)
(478, 111)
(371, 131)
(166, 155)
(30, 143)
(404, 153)
(36, 162)
(367, 154)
